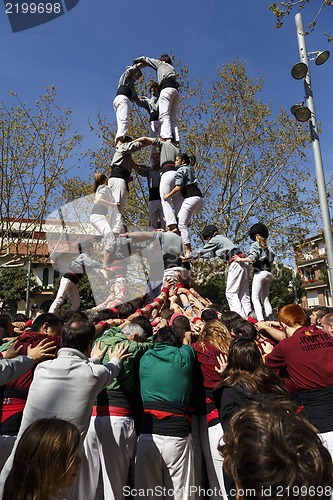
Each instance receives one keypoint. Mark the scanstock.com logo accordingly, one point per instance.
(24, 15)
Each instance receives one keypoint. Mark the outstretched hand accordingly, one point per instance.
(120, 352)
(12, 351)
(222, 364)
(97, 351)
(44, 350)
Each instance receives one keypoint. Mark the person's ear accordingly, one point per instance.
(45, 327)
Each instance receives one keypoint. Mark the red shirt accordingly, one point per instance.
(207, 359)
(33, 339)
(304, 360)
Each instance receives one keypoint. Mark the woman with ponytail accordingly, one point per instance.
(261, 256)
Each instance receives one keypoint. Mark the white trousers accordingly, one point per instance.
(119, 193)
(168, 103)
(166, 185)
(165, 462)
(260, 290)
(190, 207)
(155, 214)
(210, 438)
(66, 287)
(237, 289)
(109, 448)
(121, 106)
(154, 128)
(101, 224)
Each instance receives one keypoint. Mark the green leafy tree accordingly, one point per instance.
(38, 150)
(285, 8)
(13, 286)
(286, 287)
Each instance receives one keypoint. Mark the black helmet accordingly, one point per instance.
(260, 229)
(208, 231)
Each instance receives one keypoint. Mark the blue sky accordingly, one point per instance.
(84, 52)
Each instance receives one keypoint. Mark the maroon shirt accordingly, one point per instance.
(13, 395)
(304, 360)
(207, 359)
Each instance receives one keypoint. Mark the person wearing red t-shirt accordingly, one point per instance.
(13, 395)
(304, 359)
(213, 343)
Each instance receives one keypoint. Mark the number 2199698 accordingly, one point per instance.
(33, 8)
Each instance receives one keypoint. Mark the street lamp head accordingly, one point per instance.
(322, 57)
(301, 113)
(299, 71)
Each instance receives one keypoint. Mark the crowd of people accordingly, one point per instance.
(157, 399)
(167, 395)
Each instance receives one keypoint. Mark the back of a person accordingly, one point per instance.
(62, 385)
(308, 354)
(166, 373)
(164, 449)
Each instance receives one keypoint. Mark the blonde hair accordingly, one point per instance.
(217, 334)
(262, 241)
(99, 180)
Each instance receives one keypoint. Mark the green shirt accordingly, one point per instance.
(126, 380)
(166, 373)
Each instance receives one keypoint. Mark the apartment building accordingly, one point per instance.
(311, 264)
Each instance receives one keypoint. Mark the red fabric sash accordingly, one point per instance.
(112, 411)
(165, 414)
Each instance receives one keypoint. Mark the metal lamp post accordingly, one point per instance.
(322, 192)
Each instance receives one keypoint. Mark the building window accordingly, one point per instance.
(45, 277)
(312, 296)
(56, 275)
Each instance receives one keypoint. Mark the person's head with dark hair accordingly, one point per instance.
(139, 302)
(145, 324)
(208, 314)
(47, 324)
(193, 160)
(181, 323)
(153, 87)
(5, 322)
(272, 448)
(165, 58)
(219, 308)
(317, 313)
(78, 334)
(245, 368)
(228, 317)
(104, 314)
(182, 159)
(182, 326)
(46, 461)
(167, 335)
(3, 334)
(209, 232)
(166, 313)
(125, 309)
(273, 317)
(19, 317)
(242, 328)
(66, 315)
